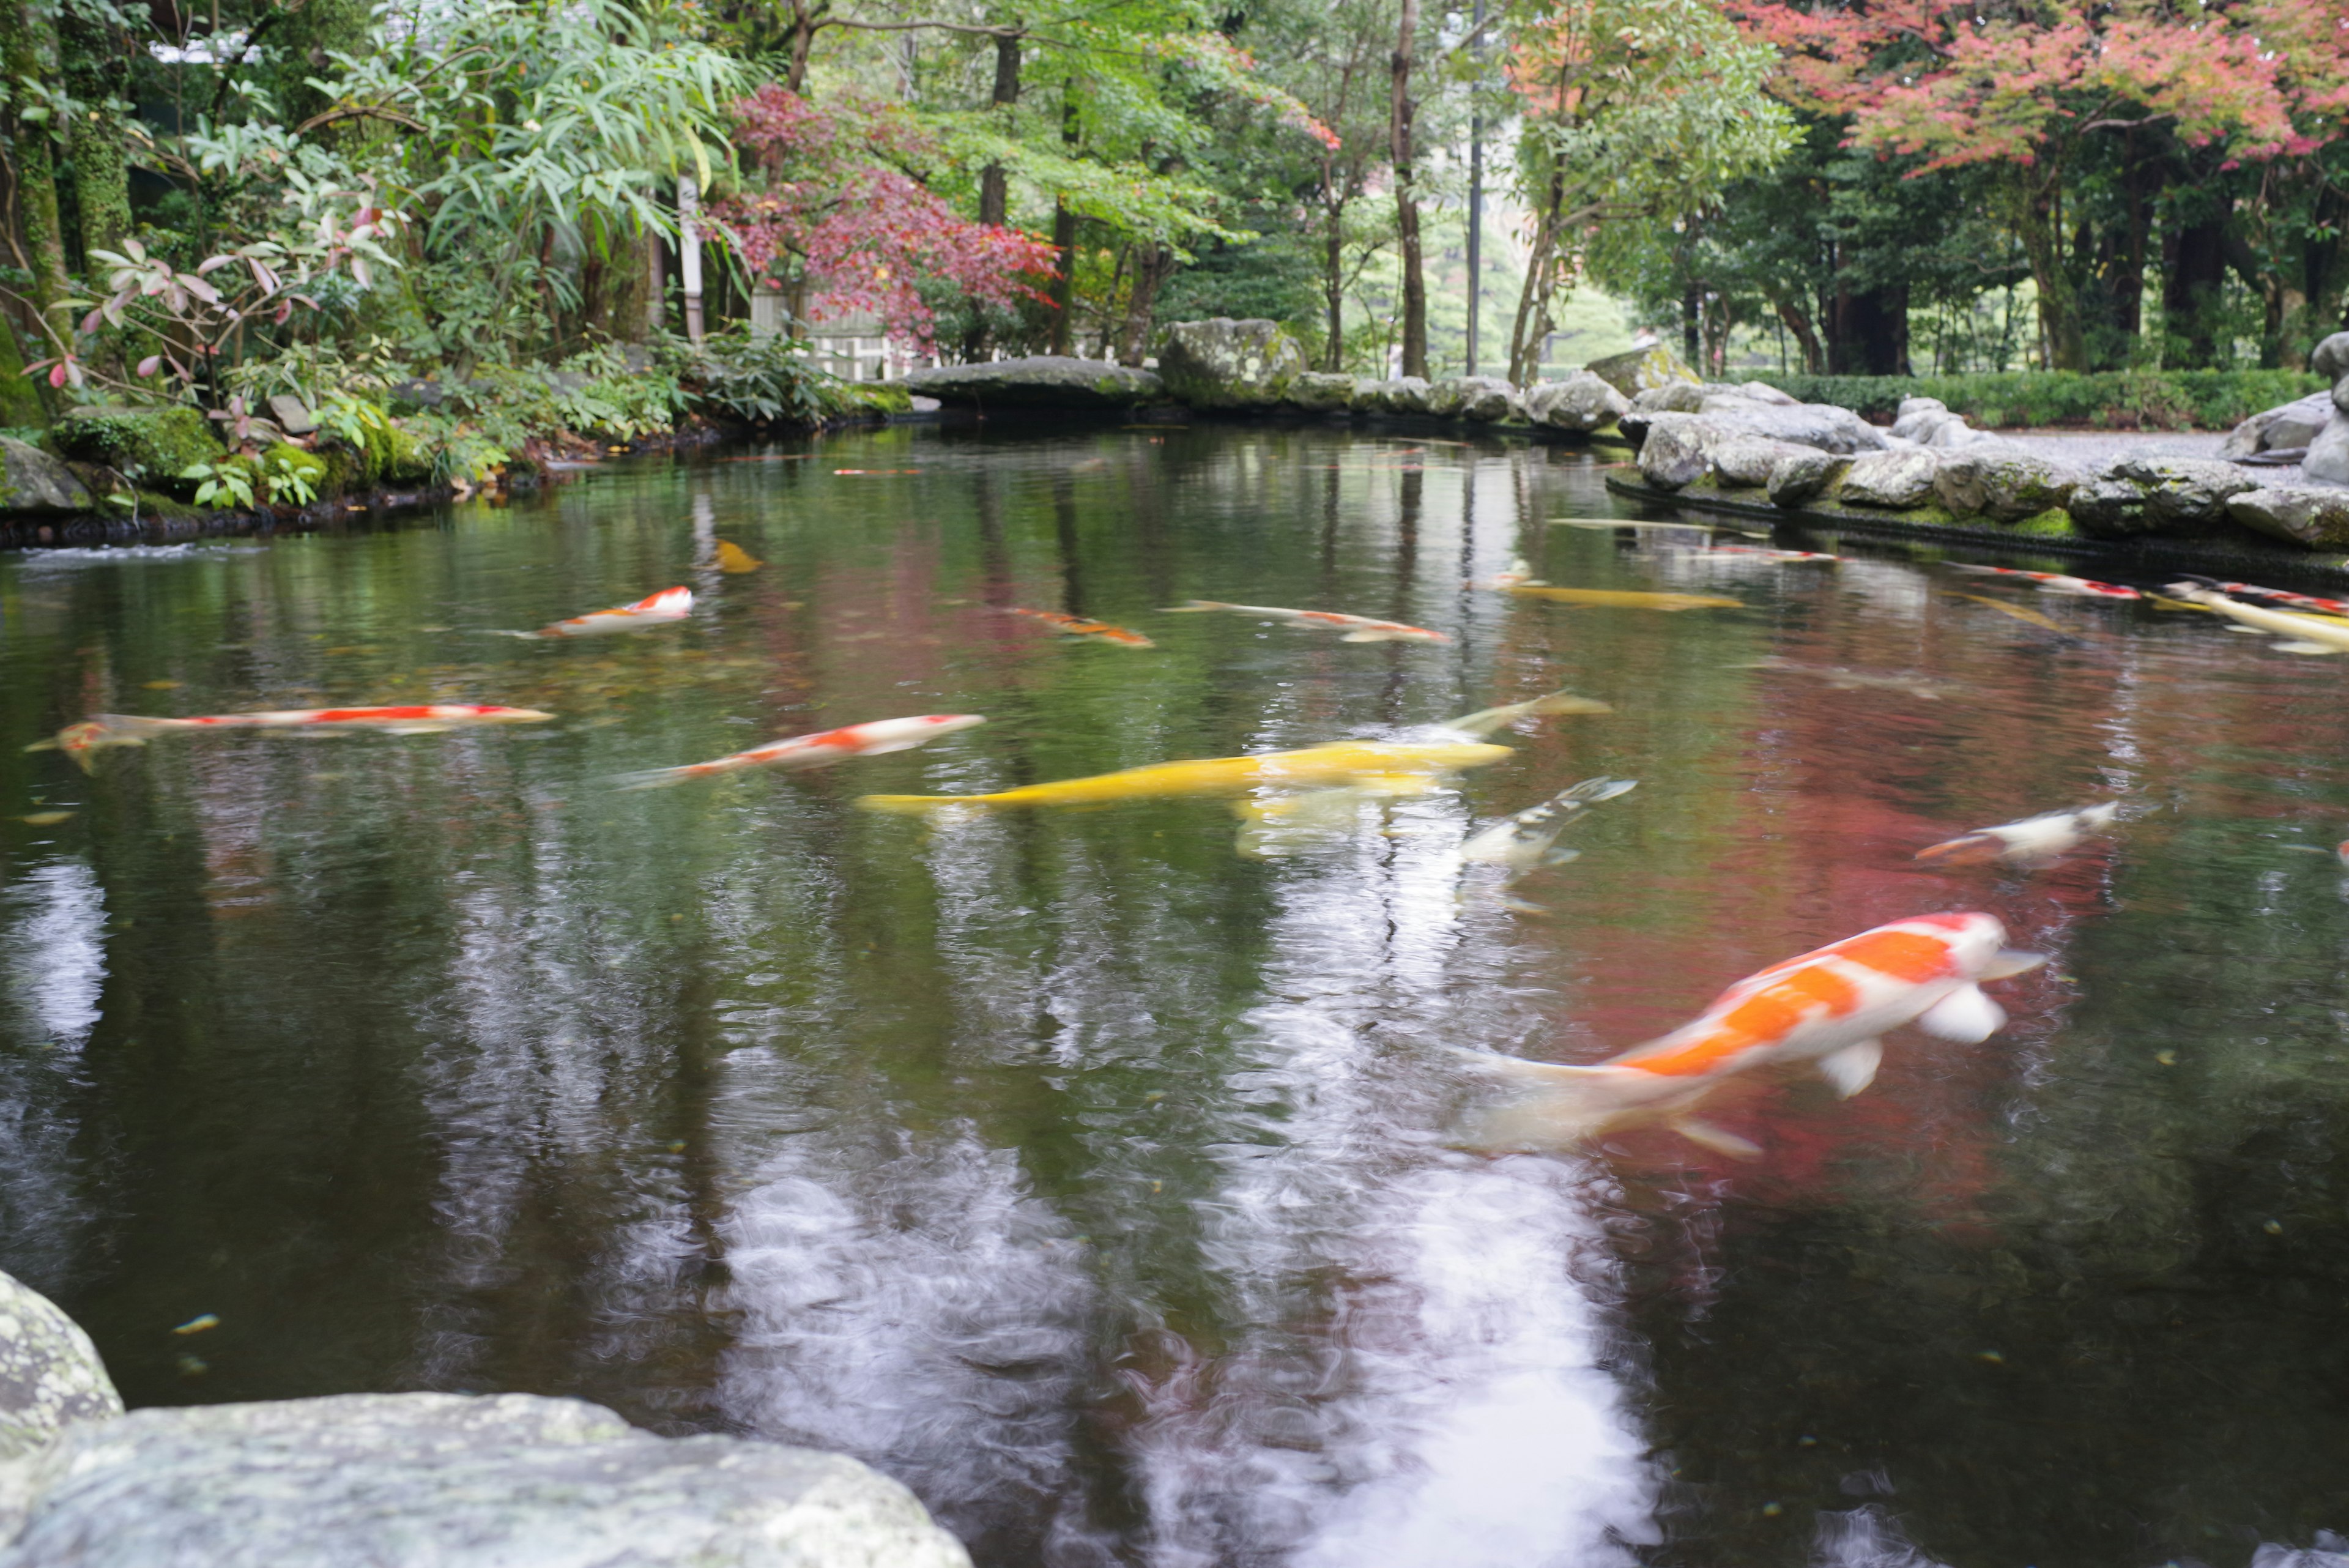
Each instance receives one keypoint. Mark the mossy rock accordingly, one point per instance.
(151, 445)
(406, 459)
(880, 397)
(316, 469)
(2053, 523)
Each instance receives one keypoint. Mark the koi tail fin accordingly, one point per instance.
(658, 778)
(1544, 1107)
(1590, 792)
(912, 804)
(79, 741)
(1192, 606)
(1484, 720)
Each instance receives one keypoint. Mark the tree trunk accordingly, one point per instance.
(1401, 110)
(2197, 258)
(1691, 323)
(994, 186)
(2064, 347)
(95, 76)
(1333, 288)
(1806, 336)
(805, 19)
(1152, 262)
(26, 45)
(1063, 289)
(1868, 331)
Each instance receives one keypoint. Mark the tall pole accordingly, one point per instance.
(689, 252)
(1475, 198)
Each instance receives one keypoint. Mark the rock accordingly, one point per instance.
(2178, 497)
(1895, 480)
(148, 446)
(454, 1480)
(2294, 424)
(1672, 398)
(2327, 461)
(1673, 454)
(2316, 515)
(1321, 392)
(1402, 395)
(1581, 403)
(292, 414)
(1633, 373)
(1484, 398)
(2005, 485)
(2330, 359)
(50, 1374)
(1042, 380)
(1764, 393)
(1228, 364)
(1744, 462)
(1916, 406)
(1822, 425)
(38, 484)
(1805, 476)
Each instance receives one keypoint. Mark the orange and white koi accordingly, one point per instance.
(1791, 558)
(2307, 633)
(1826, 1010)
(821, 750)
(666, 608)
(78, 740)
(2280, 596)
(2034, 841)
(1357, 628)
(2054, 582)
(1078, 626)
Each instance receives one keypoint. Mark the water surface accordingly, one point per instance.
(1091, 1176)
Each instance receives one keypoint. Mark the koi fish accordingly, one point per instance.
(733, 558)
(2279, 596)
(1790, 557)
(2307, 633)
(78, 740)
(1357, 628)
(2033, 842)
(2054, 582)
(2021, 612)
(1386, 767)
(1485, 721)
(821, 750)
(1846, 680)
(1523, 842)
(666, 608)
(1622, 598)
(1826, 1010)
(1078, 626)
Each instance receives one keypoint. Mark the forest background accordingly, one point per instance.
(212, 202)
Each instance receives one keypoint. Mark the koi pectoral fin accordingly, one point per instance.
(2011, 962)
(2313, 650)
(1965, 1016)
(1853, 1068)
(1704, 1135)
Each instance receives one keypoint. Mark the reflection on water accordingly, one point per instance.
(1090, 1175)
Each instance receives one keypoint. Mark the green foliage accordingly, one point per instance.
(232, 481)
(736, 374)
(147, 444)
(295, 477)
(1275, 278)
(2118, 399)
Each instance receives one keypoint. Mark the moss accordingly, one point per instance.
(406, 459)
(880, 397)
(155, 445)
(2053, 523)
(156, 506)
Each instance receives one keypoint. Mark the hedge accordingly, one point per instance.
(2107, 399)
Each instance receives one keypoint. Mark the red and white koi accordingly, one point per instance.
(820, 750)
(2297, 601)
(1078, 626)
(2318, 634)
(666, 608)
(2034, 841)
(78, 740)
(1358, 629)
(1826, 1010)
(1790, 557)
(2054, 582)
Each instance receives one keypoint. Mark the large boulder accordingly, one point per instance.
(2282, 429)
(1227, 364)
(150, 447)
(36, 484)
(1822, 425)
(1484, 399)
(2327, 461)
(1322, 390)
(1398, 395)
(50, 1375)
(2330, 359)
(1633, 373)
(1672, 398)
(1894, 479)
(1581, 403)
(2004, 483)
(2175, 497)
(455, 1480)
(1745, 462)
(2315, 515)
(1042, 380)
(1674, 452)
(1805, 476)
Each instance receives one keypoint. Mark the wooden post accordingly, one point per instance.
(689, 252)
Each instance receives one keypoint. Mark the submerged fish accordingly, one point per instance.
(1358, 629)
(732, 558)
(1802, 557)
(2054, 582)
(1485, 721)
(2277, 596)
(1078, 626)
(1385, 767)
(78, 740)
(2033, 842)
(2307, 633)
(1523, 842)
(1826, 1010)
(1847, 679)
(2020, 612)
(666, 608)
(828, 746)
(1622, 598)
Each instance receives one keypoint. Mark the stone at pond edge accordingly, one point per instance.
(38, 484)
(2288, 425)
(507, 1481)
(2008, 487)
(1042, 380)
(1227, 364)
(1403, 395)
(150, 446)
(1633, 373)
(2315, 515)
(49, 1371)
(1581, 403)
(2173, 497)
(1806, 476)
(1894, 479)
(2330, 359)
(1323, 391)
(1482, 399)
(2327, 461)
(1673, 453)
(1745, 462)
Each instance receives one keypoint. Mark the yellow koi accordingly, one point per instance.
(1382, 764)
(2020, 612)
(732, 558)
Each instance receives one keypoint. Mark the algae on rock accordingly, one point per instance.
(154, 446)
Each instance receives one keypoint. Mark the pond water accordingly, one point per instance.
(1093, 1177)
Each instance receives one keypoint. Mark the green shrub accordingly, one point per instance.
(2107, 400)
(157, 445)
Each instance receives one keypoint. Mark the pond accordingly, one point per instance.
(1098, 1180)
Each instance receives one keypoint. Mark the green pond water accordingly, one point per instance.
(1095, 1178)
